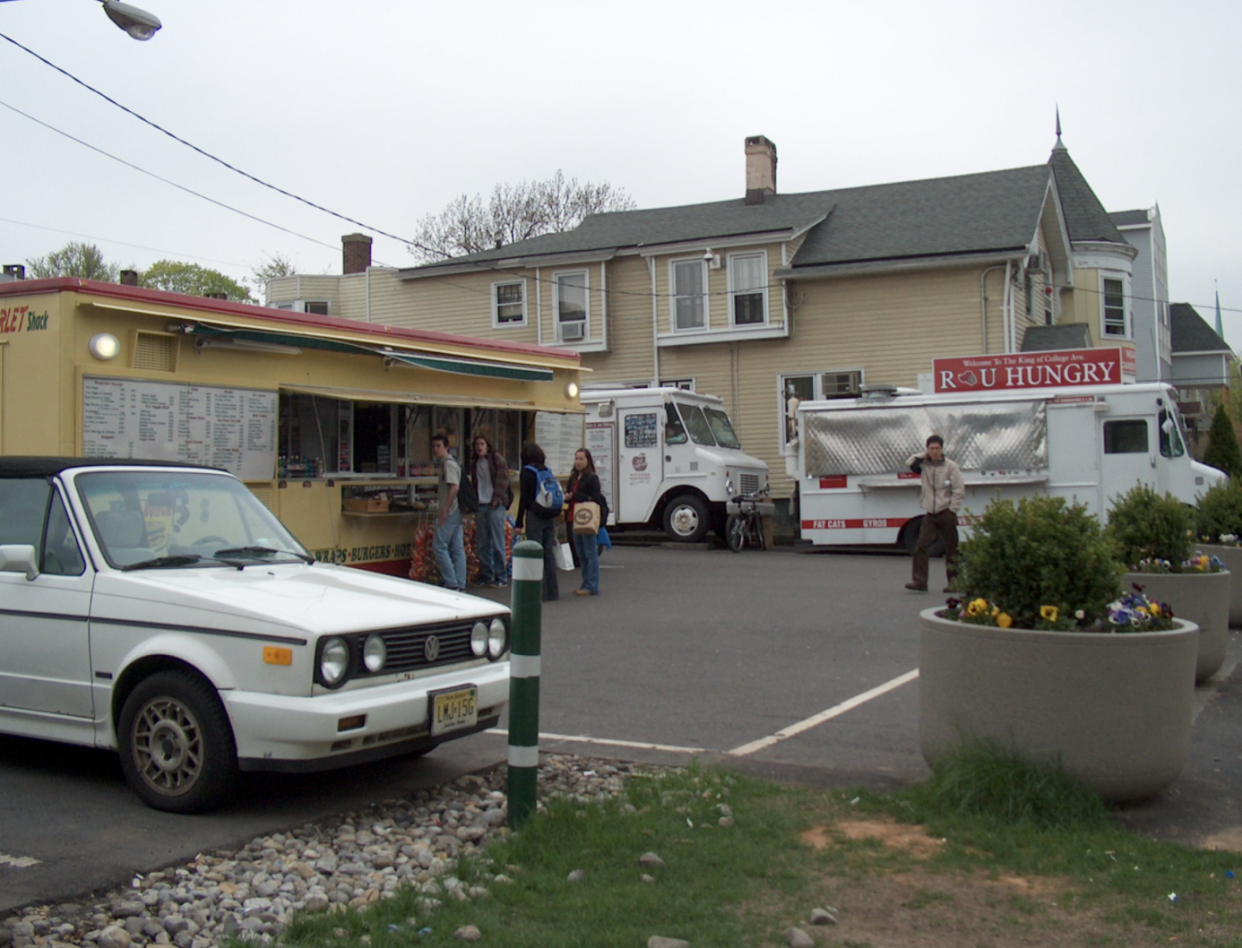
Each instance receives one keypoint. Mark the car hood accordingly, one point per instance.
(311, 598)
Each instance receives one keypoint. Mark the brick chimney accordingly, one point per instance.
(129, 277)
(356, 253)
(760, 169)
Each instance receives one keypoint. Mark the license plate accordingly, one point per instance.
(454, 710)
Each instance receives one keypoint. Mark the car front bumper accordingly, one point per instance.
(277, 732)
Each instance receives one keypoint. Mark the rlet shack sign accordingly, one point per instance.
(1057, 369)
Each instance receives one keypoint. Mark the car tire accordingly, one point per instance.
(177, 747)
(735, 532)
(686, 519)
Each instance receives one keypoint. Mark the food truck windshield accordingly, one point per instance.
(709, 427)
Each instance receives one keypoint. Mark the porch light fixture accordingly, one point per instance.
(571, 389)
(138, 23)
(104, 346)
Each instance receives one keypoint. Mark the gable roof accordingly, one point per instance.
(990, 212)
(1191, 333)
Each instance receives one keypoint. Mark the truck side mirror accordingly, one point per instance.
(18, 558)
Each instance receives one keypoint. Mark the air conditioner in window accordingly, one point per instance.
(573, 332)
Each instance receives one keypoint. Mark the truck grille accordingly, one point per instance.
(407, 648)
(749, 483)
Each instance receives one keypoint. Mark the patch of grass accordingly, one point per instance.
(990, 818)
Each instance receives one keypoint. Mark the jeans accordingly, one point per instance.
(588, 553)
(489, 541)
(543, 531)
(450, 552)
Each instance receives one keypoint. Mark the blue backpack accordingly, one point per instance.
(548, 493)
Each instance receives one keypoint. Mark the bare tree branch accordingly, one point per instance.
(513, 212)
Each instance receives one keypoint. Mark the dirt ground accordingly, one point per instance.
(918, 907)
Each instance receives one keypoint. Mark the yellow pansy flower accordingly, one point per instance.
(1048, 612)
(977, 607)
(1004, 620)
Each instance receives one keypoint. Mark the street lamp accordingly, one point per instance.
(139, 24)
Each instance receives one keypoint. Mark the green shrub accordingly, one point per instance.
(1044, 562)
(1219, 513)
(1143, 525)
(1222, 448)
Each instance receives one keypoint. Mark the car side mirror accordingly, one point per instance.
(18, 558)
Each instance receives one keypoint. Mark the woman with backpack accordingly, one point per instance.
(584, 487)
(539, 518)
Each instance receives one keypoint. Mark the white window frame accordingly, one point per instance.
(497, 321)
(674, 296)
(556, 304)
(1127, 322)
(762, 290)
(686, 385)
(817, 394)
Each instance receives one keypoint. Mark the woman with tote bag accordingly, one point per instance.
(589, 511)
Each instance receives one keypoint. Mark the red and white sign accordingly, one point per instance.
(1034, 370)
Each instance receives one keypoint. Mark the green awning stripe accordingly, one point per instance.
(436, 363)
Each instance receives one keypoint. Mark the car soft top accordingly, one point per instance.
(48, 466)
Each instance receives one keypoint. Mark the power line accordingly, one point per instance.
(151, 174)
(110, 240)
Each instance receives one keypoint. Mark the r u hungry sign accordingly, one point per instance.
(1065, 367)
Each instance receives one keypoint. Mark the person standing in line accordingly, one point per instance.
(540, 523)
(490, 476)
(943, 493)
(584, 486)
(446, 542)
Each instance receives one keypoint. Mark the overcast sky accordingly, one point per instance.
(384, 110)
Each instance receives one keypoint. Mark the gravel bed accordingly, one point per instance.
(350, 860)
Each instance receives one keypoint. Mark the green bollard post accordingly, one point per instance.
(527, 605)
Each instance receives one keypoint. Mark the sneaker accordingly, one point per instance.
(582, 592)
(501, 584)
(916, 587)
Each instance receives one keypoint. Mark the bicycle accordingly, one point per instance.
(745, 526)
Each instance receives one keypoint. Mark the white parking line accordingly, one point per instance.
(835, 711)
(18, 862)
(582, 739)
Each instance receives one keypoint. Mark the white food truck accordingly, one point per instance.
(1086, 443)
(669, 458)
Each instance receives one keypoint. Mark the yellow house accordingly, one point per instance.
(328, 421)
(770, 297)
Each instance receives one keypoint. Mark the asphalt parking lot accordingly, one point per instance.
(797, 666)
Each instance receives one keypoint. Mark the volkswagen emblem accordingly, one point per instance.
(431, 648)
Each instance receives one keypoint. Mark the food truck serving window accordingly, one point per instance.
(1128, 436)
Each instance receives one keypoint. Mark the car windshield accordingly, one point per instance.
(722, 428)
(696, 424)
(174, 518)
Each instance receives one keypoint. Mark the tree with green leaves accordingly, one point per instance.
(1222, 448)
(74, 259)
(513, 212)
(175, 276)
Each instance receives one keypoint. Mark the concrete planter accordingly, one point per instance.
(1201, 598)
(1114, 709)
(1231, 556)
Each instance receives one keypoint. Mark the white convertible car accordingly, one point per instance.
(162, 611)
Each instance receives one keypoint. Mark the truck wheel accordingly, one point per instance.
(177, 748)
(735, 532)
(685, 519)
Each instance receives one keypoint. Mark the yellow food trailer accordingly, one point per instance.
(329, 421)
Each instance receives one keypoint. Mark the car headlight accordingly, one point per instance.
(478, 638)
(374, 652)
(334, 661)
(729, 488)
(497, 639)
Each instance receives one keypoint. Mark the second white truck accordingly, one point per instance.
(1085, 443)
(668, 458)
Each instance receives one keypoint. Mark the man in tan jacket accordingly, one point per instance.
(943, 493)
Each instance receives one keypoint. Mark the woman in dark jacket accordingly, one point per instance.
(540, 524)
(584, 486)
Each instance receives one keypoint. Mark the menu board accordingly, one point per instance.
(559, 436)
(231, 428)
